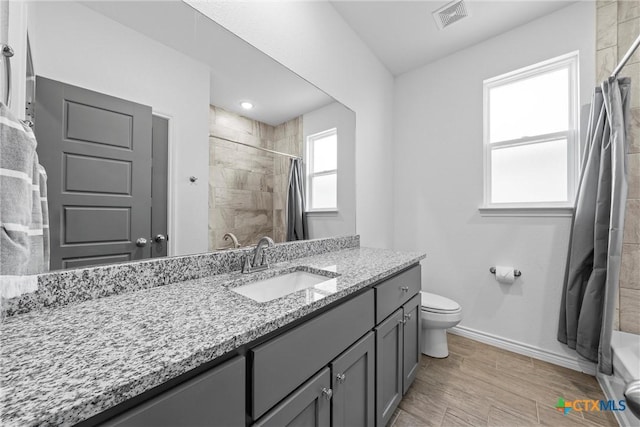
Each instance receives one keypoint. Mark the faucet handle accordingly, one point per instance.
(246, 265)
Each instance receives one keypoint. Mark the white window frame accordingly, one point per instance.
(564, 208)
(309, 175)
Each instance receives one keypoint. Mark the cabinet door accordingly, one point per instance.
(353, 381)
(309, 405)
(388, 367)
(215, 398)
(411, 342)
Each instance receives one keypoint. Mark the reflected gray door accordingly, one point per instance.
(97, 153)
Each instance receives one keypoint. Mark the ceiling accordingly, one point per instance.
(238, 71)
(404, 35)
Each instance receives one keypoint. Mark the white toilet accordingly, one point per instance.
(438, 314)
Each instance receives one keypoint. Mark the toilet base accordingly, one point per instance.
(434, 343)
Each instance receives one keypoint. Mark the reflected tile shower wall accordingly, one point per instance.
(247, 187)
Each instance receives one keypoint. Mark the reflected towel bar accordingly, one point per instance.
(7, 53)
(516, 273)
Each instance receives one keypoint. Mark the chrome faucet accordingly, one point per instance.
(259, 257)
(233, 238)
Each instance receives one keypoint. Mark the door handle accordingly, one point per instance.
(141, 242)
(160, 238)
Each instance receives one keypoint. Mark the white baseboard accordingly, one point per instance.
(526, 350)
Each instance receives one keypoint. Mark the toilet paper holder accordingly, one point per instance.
(516, 273)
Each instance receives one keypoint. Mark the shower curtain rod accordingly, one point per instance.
(626, 57)
(256, 147)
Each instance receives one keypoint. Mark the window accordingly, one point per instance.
(531, 136)
(322, 171)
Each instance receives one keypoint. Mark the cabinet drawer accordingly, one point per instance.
(283, 363)
(394, 292)
(216, 397)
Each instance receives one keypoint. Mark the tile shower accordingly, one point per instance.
(248, 187)
(618, 23)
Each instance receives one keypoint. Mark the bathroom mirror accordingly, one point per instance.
(192, 76)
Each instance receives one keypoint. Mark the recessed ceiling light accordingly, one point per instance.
(246, 105)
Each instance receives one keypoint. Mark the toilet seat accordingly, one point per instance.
(435, 311)
(433, 303)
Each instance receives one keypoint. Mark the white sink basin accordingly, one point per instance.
(315, 286)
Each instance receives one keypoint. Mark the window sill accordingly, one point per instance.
(327, 212)
(553, 211)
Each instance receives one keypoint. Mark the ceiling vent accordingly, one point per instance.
(450, 13)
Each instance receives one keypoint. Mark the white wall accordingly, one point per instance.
(438, 174)
(342, 222)
(312, 40)
(75, 45)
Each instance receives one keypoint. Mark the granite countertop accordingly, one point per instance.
(61, 366)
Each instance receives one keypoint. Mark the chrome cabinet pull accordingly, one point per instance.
(341, 378)
(327, 393)
(160, 238)
(407, 316)
(404, 288)
(141, 242)
(402, 321)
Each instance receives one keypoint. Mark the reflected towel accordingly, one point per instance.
(24, 237)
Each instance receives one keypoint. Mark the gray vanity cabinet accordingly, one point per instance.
(282, 364)
(397, 340)
(353, 385)
(389, 336)
(410, 341)
(215, 398)
(309, 405)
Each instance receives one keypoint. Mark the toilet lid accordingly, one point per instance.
(433, 302)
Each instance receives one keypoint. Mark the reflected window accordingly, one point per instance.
(322, 171)
(531, 136)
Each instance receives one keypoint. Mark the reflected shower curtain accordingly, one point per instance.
(593, 264)
(296, 219)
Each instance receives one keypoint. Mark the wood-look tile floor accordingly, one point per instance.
(482, 385)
